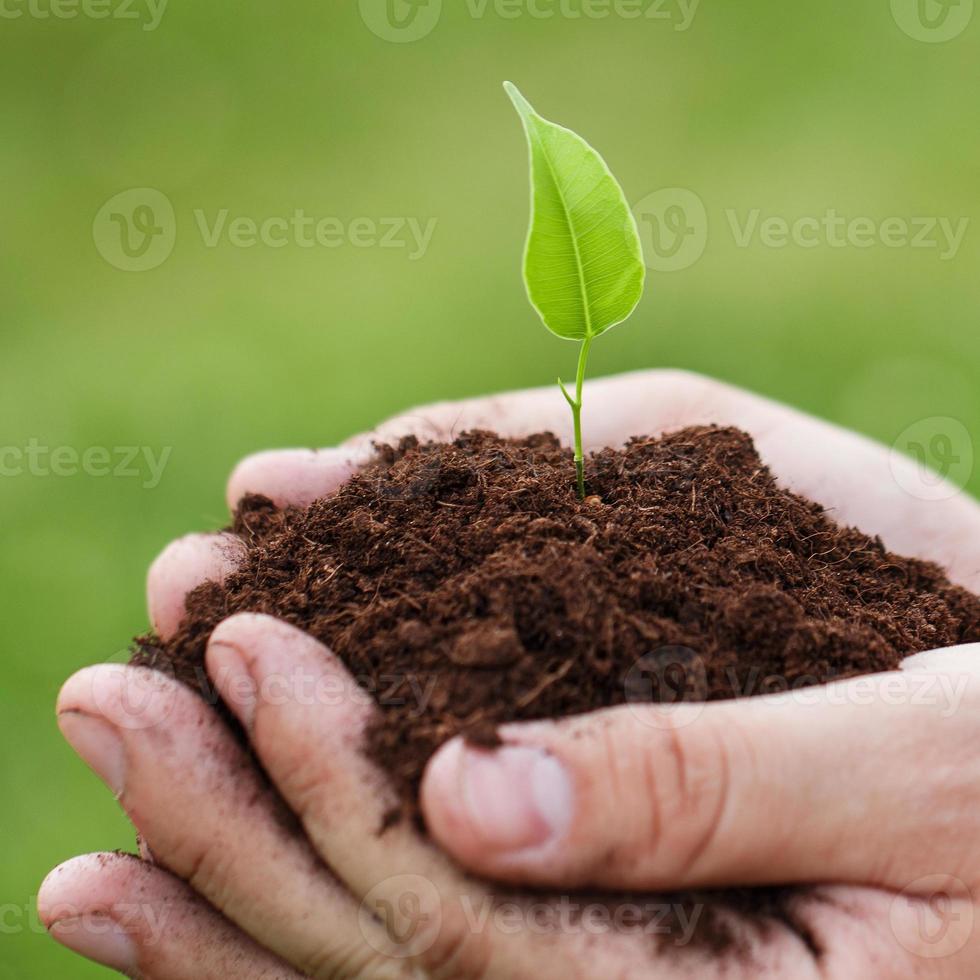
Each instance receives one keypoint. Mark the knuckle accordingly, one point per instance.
(459, 952)
(680, 775)
(176, 550)
(683, 378)
(302, 777)
(423, 421)
(699, 761)
(243, 472)
(688, 387)
(343, 961)
(207, 867)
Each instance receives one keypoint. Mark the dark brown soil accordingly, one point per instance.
(466, 585)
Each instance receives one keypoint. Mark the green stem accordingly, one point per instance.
(576, 406)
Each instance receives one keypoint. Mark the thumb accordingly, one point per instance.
(872, 780)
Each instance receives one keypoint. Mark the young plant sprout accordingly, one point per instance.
(583, 264)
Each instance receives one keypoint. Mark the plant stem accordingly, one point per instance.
(575, 404)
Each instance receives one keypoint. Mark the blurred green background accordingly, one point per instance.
(262, 109)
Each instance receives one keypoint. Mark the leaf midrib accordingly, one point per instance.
(583, 289)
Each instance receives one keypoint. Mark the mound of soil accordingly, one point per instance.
(466, 585)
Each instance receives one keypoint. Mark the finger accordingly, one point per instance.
(182, 566)
(307, 719)
(294, 477)
(208, 817)
(955, 661)
(810, 785)
(141, 921)
(307, 722)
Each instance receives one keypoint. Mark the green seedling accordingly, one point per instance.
(583, 264)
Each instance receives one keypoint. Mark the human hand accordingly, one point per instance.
(837, 468)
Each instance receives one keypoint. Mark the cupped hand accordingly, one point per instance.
(873, 786)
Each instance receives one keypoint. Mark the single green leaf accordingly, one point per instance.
(583, 263)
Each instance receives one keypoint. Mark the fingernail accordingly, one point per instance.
(99, 938)
(233, 679)
(99, 744)
(515, 797)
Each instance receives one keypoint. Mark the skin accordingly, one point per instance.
(872, 786)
